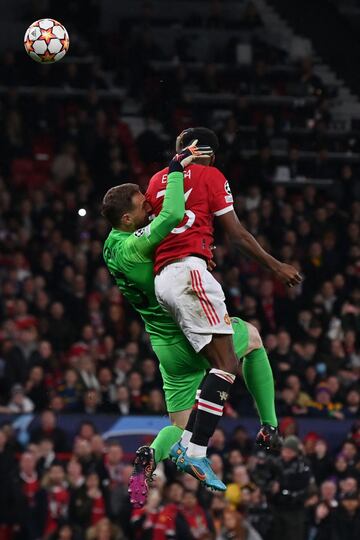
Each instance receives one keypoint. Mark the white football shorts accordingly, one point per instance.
(194, 299)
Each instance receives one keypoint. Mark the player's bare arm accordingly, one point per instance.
(246, 243)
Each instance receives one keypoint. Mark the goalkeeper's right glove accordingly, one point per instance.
(188, 155)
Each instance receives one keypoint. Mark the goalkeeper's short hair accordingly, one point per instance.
(205, 137)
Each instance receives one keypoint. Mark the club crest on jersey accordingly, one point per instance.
(223, 395)
(227, 319)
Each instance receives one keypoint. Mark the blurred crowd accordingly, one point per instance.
(57, 489)
(68, 339)
(69, 342)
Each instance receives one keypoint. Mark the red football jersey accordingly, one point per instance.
(207, 194)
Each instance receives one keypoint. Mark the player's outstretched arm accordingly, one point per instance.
(248, 244)
(144, 241)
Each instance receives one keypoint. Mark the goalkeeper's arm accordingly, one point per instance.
(143, 242)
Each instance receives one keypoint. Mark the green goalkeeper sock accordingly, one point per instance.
(259, 381)
(164, 440)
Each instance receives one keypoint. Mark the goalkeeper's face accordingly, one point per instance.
(138, 216)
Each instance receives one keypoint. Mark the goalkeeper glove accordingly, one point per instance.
(188, 155)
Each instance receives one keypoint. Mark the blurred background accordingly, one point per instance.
(79, 383)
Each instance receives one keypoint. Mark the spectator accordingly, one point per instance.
(25, 502)
(289, 491)
(323, 406)
(60, 331)
(104, 530)
(144, 519)
(87, 430)
(88, 505)
(18, 403)
(150, 373)
(135, 383)
(75, 476)
(107, 390)
(70, 390)
(87, 373)
(156, 402)
(346, 522)
(82, 452)
(328, 490)
(352, 404)
(171, 517)
(240, 482)
(122, 402)
(321, 463)
(55, 510)
(91, 402)
(47, 456)
(49, 430)
(7, 465)
(115, 470)
(240, 440)
(197, 519)
(236, 526)
(36, 388)
(65, 532)
(259, 513)
(217, 465)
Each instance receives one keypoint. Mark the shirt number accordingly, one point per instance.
(189, 213)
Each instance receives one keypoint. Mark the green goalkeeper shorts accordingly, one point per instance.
(182, 369)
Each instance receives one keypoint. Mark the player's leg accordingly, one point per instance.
(169, 435)
(256, 369)
(258, 377)
(197, 303)
(182, 372)
(148, 457)
(259, 380)
(214, 392)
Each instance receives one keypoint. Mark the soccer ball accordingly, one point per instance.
(46, 41)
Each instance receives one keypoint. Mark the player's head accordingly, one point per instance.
(125, 207)
(205, 137)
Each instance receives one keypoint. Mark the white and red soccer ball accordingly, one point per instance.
(46, 41)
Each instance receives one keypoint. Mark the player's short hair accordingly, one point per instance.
(205, 137)
(117, 201)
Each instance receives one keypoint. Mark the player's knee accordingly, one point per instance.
(228, 363)
(231, 365)
(220, 353)
(255, 341)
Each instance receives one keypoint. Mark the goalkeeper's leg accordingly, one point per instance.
(182, 372)
(148, 457)
(259, 381)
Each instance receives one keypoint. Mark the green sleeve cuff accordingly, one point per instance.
(176, 175)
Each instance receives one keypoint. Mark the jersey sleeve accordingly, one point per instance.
(140, 245)
(220, 196)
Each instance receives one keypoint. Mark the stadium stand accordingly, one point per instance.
(136, 75)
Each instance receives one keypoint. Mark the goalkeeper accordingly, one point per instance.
(128, 253)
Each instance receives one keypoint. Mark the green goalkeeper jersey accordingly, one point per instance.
(129, 258)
